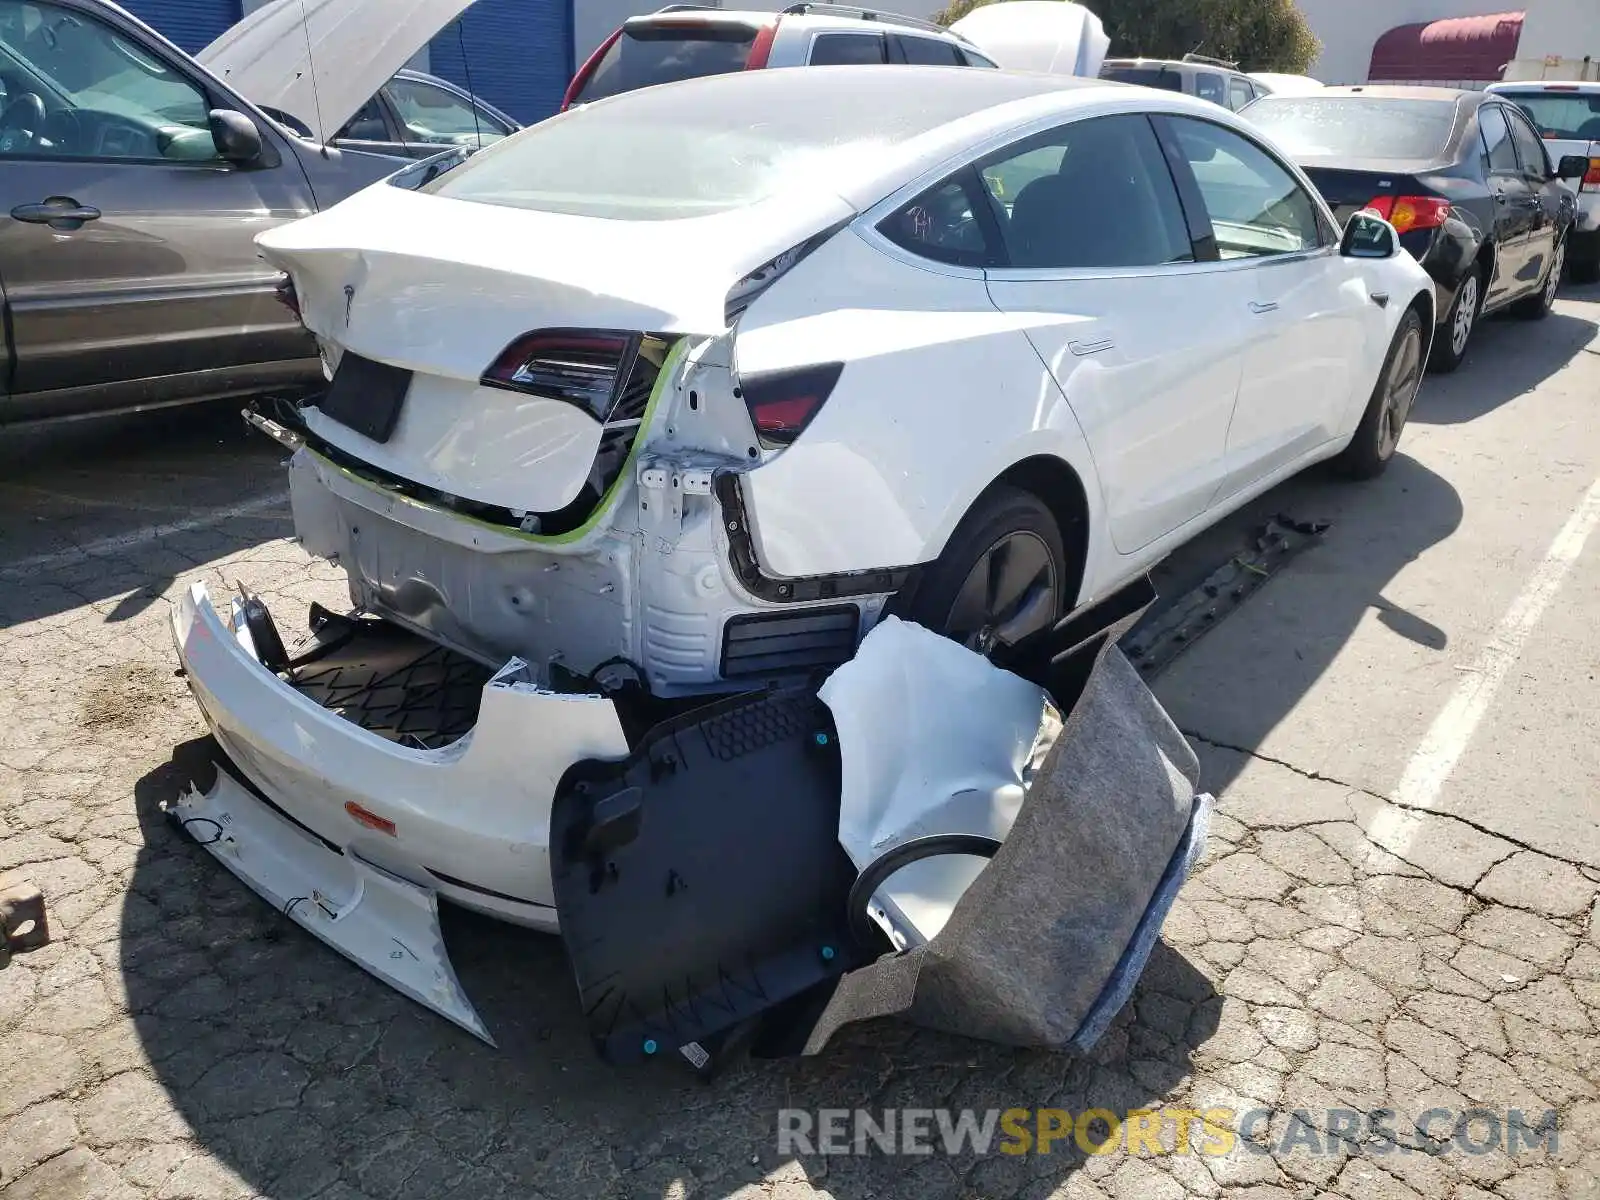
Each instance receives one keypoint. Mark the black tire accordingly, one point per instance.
(1006, 527)
(1448, 351)
(1537, 306)
(1378, 435)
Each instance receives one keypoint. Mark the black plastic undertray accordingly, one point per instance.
(700, 883)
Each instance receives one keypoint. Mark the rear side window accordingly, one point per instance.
(1210, 87)
(645, 55)
(943, 224)
(928, 52)
(1240, 93)
(1497, 148)
(1563, 116)
(846, 49)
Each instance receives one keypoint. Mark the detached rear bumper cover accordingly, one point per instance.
(470, 821)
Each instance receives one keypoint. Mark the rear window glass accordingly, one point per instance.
(1357, 126)
(1567, 116)
(1156, 77)
(671, 153)
(647, 55)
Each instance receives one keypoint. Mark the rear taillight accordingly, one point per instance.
(783, 403)
(582, 367)
(761, 48)
(1592, 179)
(1406, 213)
(590, 65)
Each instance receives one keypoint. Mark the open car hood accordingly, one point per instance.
(1051, 36)
(321, 60)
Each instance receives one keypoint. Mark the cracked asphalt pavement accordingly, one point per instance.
(1397, 909)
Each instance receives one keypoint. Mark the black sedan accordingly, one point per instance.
(1462, 176)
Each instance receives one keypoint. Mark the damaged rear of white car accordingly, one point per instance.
(638, 422)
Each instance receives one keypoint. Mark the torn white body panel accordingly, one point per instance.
(934, 740)
(470, 820)
(382, 923)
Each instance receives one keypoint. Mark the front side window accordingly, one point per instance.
(1535, 162)
(1256, 206)
(77, 88)
(1499, 153)
(846, 49)
(1093, 194)
(431, 116)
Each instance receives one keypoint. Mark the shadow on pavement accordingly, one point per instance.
(299, 1071)
(149, 496)
(1507, 358)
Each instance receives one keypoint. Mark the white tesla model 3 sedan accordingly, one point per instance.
(705, 378)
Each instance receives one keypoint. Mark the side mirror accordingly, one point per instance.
(1572, 166)
(236, 136)
(1367, 235)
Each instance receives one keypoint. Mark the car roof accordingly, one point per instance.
(1546, 85)
(970, 108)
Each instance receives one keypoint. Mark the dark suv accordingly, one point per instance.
(1208, 78)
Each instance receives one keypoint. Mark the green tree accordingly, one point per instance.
(1260, 35)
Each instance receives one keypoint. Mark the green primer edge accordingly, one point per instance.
(669, 367)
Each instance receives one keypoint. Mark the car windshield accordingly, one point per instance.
(1566, 116)
(1361, 127)
(648, 54)
(699, 148)
(1156, 77)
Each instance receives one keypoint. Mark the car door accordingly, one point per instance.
(1142, 333)
(846, 49)
(432, 118)
(126, 241)
(1513, 218)
(1304, 317)
(1543, 200)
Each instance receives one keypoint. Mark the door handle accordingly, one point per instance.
(1090, 346)
(1263, 306)
(58, 212)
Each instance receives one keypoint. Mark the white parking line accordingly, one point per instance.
(1447, 738)
(139, 537)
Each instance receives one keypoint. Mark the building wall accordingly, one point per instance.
(1349, 28)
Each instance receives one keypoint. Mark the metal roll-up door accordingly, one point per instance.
(192, 24)
(516, 54)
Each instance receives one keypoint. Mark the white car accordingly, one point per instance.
(646, 389)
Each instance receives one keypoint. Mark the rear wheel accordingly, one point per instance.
(1537, 307)
(1001, 577)
(1378, 435)
(1455, 331)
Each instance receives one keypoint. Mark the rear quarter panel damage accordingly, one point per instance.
(940, 394)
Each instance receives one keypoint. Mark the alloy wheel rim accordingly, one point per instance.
(1404, 379)
(1553, 284)
(1466, 311)
(1009, 593)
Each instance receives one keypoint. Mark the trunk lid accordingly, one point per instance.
(1349, 190)
(321, 60)
(440, 287)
